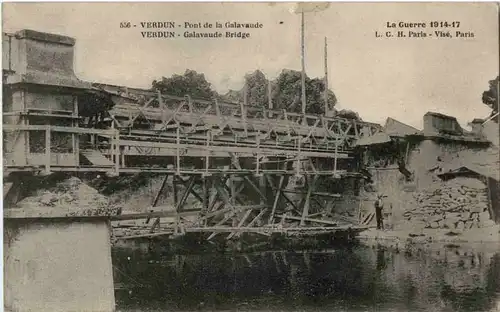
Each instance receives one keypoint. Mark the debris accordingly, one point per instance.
(460, 203)
(69, 193)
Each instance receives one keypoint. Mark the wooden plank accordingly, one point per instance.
(7, 127)
(227, 149)
(308, 220)
(226, 138)
(155, 214)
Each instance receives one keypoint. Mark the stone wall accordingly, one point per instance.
(460, 203)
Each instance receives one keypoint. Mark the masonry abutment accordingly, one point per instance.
(57, 263)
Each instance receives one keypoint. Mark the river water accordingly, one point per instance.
(348, 278)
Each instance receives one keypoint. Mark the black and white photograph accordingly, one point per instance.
(251, 156)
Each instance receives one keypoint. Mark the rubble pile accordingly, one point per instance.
(68, 193)
(461, 203)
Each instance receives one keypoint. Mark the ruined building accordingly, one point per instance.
(441, 177)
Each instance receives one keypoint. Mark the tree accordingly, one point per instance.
(348, 114)
(256, 88)
(490, 96)
(191, 83)
(286, 92)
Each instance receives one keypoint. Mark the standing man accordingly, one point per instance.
(379, 206)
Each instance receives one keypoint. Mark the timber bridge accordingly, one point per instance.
(236, 160)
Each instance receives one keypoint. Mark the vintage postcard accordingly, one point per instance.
(251, 156)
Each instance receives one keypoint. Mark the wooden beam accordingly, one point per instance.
(305, 210)
(257, 218)
(224, 220)
(276, 199)
(187, 183)
(237, 165)
(308, 220)
(186, 193)
(155, 214)
(158, 194)
(48, 157)
(227, 209)
(206, 193)
(245, 217)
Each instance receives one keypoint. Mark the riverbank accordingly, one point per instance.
(431, 239)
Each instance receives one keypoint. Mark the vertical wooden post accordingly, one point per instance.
(75, 137)
(305, 210)
(327, 108)
(262, 188)
(206, 196)
(162, 108)
(178, 151)
(243, 108)
(335, 157)
(47, 149)
(257, 139)
(298, 160)
(303, 73)
(122, 156)
(207, 155)
(277, 198)
(24, 134)
(190, 104)
(116, 151)
(232, 199)
(217, 108)
(206, 193)
(269, 98)
(176, 202)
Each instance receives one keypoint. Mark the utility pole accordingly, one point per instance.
(302, 46)
(302, 8)
(327, 109)
(269, 98)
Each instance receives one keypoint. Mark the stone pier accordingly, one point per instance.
(58, 260)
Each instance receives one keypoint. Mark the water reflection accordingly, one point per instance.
(345, 279)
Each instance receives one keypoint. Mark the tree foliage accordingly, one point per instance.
(191, 83)
(286, 92)
(348, 114)
(257, 87)
(490, 96)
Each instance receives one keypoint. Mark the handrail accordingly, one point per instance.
(236, 105)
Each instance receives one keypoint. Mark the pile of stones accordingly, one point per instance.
(68, 193)
(460, 203)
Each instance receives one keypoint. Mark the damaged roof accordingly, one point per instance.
(396, 128)
(377, 138)
(392, 128)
